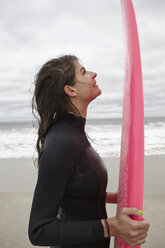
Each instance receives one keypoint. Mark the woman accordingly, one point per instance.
(68, 208)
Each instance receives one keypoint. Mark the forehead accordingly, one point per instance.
(78, 66)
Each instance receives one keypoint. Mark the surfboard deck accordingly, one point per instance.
(131, 173)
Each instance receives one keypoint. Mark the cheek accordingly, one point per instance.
(88, 89)
(85, 91)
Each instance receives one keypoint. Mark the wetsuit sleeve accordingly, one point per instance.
(55, 169)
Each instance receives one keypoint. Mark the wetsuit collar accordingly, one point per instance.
(75, 120)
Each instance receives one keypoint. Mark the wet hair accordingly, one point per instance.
(49, 101)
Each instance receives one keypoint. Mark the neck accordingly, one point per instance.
(82, 108)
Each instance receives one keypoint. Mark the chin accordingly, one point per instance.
(98, 94)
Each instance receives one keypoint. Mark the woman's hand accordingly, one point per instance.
(130, 231)
(111, 197)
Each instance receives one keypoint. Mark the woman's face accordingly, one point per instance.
(85, 86)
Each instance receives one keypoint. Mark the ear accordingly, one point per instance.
(70, 91)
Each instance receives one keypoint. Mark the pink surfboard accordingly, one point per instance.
(131, 175)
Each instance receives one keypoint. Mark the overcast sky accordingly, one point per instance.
(35, 31)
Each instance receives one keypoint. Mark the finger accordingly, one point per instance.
(142, 225)
(146, 221)
(131, 211)
(140, 242)
(137, 242)
(140, 236)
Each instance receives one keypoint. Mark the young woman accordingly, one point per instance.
(68, 208)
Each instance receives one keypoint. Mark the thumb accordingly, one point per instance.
(132, 211)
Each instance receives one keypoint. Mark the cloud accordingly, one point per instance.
(34, 31)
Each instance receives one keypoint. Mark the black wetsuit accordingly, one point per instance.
(70, 194)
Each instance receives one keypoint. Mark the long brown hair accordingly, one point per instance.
(49, 99)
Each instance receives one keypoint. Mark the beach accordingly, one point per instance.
(17, 182)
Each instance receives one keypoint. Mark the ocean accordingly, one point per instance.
(18, 139)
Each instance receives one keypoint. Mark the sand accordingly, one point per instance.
(17, 182)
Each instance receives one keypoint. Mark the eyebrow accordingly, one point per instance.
(82, 68)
